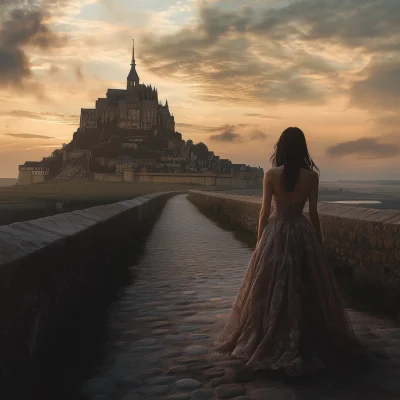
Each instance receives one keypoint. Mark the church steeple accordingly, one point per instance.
(133, 63)
(133, 77)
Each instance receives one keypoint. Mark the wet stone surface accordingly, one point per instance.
(164, 325)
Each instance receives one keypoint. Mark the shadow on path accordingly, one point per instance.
(72, 354)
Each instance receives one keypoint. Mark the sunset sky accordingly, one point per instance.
(235, 76)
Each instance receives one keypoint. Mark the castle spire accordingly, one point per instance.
(133, 77)
(133, 63)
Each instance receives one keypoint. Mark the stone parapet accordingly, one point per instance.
(52, 268)
(203, 179)
(365, 240)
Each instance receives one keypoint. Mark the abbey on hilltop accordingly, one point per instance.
(131, 132)
(135, 108)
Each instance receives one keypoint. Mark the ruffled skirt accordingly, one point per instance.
(289, 314)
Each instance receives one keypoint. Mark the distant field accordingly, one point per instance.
(386, 196)
(83, 191)
(27, 202)
(87, 193)
(7, 181)
(372, 188)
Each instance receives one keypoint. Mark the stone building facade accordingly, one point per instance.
(32, 172)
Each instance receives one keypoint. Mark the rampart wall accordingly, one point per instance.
(365, 240)
(203, 179)
(53, 268)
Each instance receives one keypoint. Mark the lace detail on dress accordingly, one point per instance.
(289, 314)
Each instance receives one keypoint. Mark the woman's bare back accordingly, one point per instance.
(306, 182)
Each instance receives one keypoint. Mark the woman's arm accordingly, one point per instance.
(266, 204)
(312, 206)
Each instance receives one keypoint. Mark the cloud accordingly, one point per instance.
(185, 125)
(229, 134)
(379, 90)
(257, 115)
(366, 147)
(78, 73)
(46, 146)
(54, 69)
(208, 129)
(388, 120)
(304, 51)
(226, 136)
(68, 119)
(225, 63)
(257, 135)
(225, 127)
(371, 25)
(25, 24)
(28, 136)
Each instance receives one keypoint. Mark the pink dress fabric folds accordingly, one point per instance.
(289, 315)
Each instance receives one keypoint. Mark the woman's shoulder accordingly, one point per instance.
(277, 171)
(311, 175)
(273, 171)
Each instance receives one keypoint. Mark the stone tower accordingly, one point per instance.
(133, 77)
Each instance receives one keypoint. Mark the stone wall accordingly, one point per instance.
(50, 269)
(27, 177)
(38, 178)
(200, 179)
(108, 177)
(71, 155)
(204, 179)
(24, 177)
(365, 240)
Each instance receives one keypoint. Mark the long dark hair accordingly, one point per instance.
(291, 152)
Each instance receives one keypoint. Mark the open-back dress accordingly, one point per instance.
(289, 315)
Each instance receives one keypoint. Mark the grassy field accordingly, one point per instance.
(27, 202)
(83, 191)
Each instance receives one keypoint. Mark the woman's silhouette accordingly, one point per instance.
(289, 315)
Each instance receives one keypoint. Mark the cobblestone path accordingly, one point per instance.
(164, 325)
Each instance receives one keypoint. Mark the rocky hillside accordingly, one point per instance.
(76, 168)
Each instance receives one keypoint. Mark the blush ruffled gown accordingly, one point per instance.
(289, 315)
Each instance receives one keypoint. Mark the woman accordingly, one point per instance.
(289, 315)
